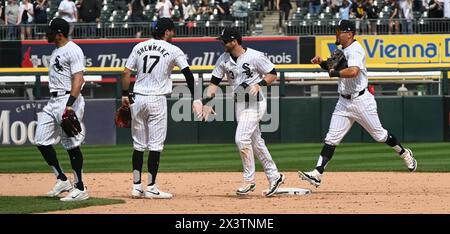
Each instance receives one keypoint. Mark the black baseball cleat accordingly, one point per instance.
(313, 177)
(274, 185)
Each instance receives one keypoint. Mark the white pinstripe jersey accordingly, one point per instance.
(356, 57)
(154, 61)
(64, 62)
(249, 68)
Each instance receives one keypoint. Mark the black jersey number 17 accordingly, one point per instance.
(146, 58)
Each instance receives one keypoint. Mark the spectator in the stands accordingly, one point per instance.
(223, 10)
(435, 9)
(164, 8)
(359, 12)
(11, 17)
(372, 16)
(239, 8)
(394, 16)
(418, 5)
(204, 8)
(314, 6)
(335, 5)
(190, 10)
(40, 16)
(89, 13)
(407, 13)
(26, 15)
(179, 10)
(344, 11)
(68, 11)
(40, 11)
(270, 4)
(135, 11)
(446, 5)
(284, 7)
(2, 10)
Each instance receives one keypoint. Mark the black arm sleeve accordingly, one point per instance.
(190, 82)
(323, 65)
(215, 80)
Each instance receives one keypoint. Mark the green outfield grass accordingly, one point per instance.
(26, 205)
(224, 157)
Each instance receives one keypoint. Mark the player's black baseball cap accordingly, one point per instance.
(229, 34)
(164, 24)
(58, 25)
(346, 26)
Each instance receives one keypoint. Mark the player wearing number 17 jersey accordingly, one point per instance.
(153, 61)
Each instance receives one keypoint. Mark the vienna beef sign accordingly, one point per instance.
(385, 49)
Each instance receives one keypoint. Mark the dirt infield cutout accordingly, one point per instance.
(212, 193)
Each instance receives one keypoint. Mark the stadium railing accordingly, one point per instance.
(424, 79)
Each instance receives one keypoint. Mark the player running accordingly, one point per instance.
(247, 69)
(355, 104)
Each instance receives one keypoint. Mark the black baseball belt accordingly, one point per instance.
(349, 96)
(56, 94)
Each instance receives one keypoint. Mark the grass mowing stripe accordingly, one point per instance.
(222, 157)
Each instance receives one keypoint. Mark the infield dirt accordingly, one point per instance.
(214, 192)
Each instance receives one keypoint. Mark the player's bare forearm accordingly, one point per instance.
(269, 78)
(77, 82)
(211, 90)
(126, 79)
(351, 72)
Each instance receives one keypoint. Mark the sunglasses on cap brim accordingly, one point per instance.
(344, 31)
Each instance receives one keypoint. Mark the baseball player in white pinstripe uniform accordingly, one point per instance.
(65, 82)
(247, 69)
(355, 104)
(154, 61)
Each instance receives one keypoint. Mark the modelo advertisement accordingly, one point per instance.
(389, 49)
(199, 51)
(18, 121)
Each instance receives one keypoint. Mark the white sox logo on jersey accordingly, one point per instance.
(57, 65)
(247, 70)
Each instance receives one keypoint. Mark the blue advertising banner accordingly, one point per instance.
(18, 120)
(200, 51)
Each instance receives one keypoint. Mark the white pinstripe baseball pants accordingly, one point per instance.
(149, 122)
(48, 128)
(363, 110)
(249, 141)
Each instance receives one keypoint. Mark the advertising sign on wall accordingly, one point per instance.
(199, 51)
(385, 49)
(18, 120)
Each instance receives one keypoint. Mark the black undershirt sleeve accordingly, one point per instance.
(215, 80)
(190, 82)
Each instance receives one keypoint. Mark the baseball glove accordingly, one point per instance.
(337, 61)
(123, 117)
(70, 123)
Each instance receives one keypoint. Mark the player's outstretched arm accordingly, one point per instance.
(210, 94)
(197, 103)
